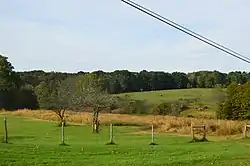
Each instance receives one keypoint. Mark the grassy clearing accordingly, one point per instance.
(206, 95)
(37, 143)
(163, 124)
(207, 98)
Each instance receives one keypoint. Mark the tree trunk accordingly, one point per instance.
(96, 124)
(61, 115)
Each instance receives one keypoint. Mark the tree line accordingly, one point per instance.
(121, 81)
(60, 91)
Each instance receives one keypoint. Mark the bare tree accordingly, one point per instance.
(61, 116)
(98, 100)
(62, 99)
(82, 92)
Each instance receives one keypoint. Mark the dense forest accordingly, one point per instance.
(121, 81)
(55, 90)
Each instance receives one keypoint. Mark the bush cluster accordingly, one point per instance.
(170, 108)
(236, 106)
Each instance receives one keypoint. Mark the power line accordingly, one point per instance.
(187, 31)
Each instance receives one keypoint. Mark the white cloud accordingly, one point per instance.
(108, 35)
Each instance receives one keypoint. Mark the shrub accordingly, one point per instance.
(224, 111)
(135, 107)
(170, 108)
(236, 104)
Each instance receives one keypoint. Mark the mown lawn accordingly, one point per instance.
(35, 143)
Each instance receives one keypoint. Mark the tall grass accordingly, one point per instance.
(162, 124)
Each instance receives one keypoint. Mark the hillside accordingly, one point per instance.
(207, 98)
(43, 90)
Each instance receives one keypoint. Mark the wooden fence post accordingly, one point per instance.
(204, 132)
(6, 130)
(192, 131)
(153, 139)
(199, 127)
(245, 130)
(63, 134)
(153, 136)
(111, 134)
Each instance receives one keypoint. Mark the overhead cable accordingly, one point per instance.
(187, 31)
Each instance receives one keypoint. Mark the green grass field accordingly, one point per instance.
(207, 98)
(206, 95)
(34, 142)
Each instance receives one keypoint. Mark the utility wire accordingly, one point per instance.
(187, 31)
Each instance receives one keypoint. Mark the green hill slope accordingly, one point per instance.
(207, 98)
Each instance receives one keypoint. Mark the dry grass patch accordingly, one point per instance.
(162, 124)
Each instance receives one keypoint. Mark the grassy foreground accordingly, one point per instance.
(35, 143)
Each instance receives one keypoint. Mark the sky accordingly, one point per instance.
(108, 35)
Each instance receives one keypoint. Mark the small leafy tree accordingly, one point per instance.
(81, 92)
(98, 100)
(64, 98)
(236, 106)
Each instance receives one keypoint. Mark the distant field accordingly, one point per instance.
(206, 95)
(206, 98)
(34, 143)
